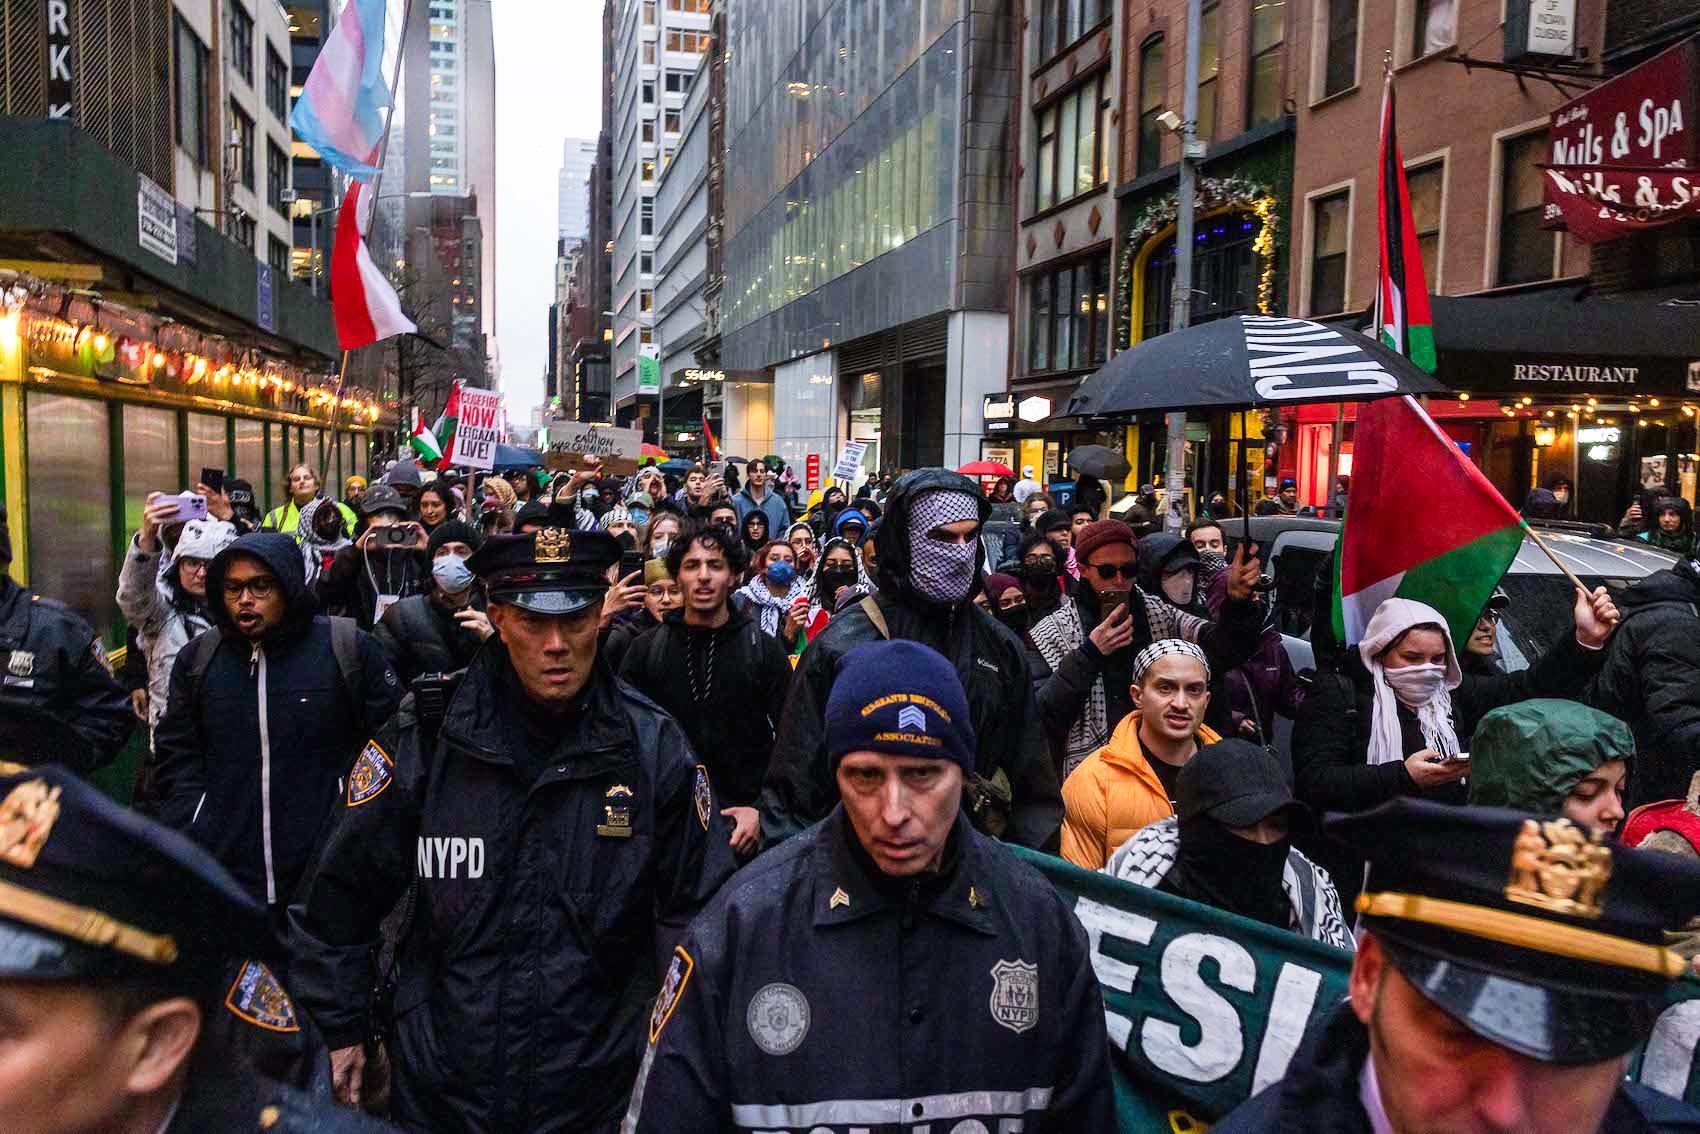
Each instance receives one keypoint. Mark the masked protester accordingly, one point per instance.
(1169, 565)
(775, 595)
(838, 572)
(439, 631)
(1387, 724)
(322, 534)
(1006, 601)
(1040, 571)
(1229, 845)
(929, 570)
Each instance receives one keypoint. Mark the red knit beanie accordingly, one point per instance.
(1099, 533)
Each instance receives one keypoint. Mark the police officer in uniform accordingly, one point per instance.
(557, 833)
(57, 689)
(889, 969)
(1508, 967)
(117, 940)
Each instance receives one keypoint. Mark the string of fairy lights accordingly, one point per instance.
(47, 319)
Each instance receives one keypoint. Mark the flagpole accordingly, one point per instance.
(1542, 544)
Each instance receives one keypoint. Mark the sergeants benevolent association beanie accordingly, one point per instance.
(899, 698)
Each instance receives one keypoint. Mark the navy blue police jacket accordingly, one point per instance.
(541, 884)
(59, 702)
(814, 996)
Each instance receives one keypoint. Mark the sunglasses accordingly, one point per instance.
(1108, 571)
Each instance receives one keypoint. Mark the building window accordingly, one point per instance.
(1061, 22)
(277, 255)
(1330, 217)
(1525, 249)
(648, 13)
(1340, 65)
(670, 121)
(277, 84)
(646, 300)
(645, 336)
(646, 93)
(1152, 81)
(646, 217)
(689, 41)
(1434, 26)
(277, 177)
(647, 130)
(241, 26)
(646, 263)
(191, 108)
(1224, 265)
(1209, 69)
(698, 6)
(678, 82)
(1268, 43)
(1070, 142)
(1424, 186)
(648, 51)
(1068, 315)
(242, 230)
(649, 169)
(242, 127)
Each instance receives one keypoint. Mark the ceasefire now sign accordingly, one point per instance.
(478, 428)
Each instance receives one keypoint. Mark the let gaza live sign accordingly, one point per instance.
(480, 426)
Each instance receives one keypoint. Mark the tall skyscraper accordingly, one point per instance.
(577, 156)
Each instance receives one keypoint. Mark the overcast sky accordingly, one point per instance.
(548, 88)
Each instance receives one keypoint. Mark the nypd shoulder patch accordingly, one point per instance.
(370, 775)
(703, 796)
(258, 997)
(678, 975)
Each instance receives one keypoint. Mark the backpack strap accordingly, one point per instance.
(345, 647)
(875, 615)
(201, 650)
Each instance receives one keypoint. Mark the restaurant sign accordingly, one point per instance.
(1624, 154)
(1486, 374)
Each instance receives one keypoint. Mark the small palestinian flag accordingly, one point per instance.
(424, 443)
(710, 445)
(1464, 537)
(1402, 317)
(444, 429)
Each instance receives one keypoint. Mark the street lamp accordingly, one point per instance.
(313, 226)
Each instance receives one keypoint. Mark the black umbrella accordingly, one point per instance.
(1095, 460)
(1249, 360)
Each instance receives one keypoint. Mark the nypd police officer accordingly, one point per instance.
(1507, 968)
(134, 982)
(57, 690)
(923, 980)
(554, 824)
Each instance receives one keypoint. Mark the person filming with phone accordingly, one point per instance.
(387, 563)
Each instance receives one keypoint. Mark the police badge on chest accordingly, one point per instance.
(616, 813)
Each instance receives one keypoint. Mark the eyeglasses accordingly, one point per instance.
(1108, 571)
(199, 566)
(260, 586)
(1044, 563)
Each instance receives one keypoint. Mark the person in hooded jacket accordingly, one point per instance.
(322, 535)
(1040, 567)
(930, 568)
(441, 630)
(1387, 724)
(838, 570)
(1671, 526)
(824, 513)
(265, 717)
(557, 831)
(58, 692)
(1553, 758)
(1651, 679)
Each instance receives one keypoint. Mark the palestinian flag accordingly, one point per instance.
(444, 429)
(424, 443)
(1422, 523)
(710, 445)
(1402, 317)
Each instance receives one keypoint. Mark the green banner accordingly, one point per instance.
(1205, 1009)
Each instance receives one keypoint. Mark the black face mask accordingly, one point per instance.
(1017, 618)
(1041, 579)
(1218, 868)
(831, 579)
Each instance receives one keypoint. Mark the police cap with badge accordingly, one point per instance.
(549, 571)
(90, 889)
(1528, 931)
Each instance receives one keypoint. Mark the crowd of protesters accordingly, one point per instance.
(1108, 692)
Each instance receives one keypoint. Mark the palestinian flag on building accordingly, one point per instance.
(710, 445)
(1422, 523)
(1402, 317)
(424, 443)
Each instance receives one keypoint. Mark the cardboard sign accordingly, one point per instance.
(849, 461)
(479, 428)
(578, 445)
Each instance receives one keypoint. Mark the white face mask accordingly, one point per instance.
(1416, 685)
(1178, 586)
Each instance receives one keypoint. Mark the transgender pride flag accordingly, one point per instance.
(340, 111)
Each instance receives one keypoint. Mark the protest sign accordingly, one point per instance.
(575, 445)
(478, 428)
(1205, 1009)
(849, 461)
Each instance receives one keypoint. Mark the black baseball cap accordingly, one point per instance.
(553, 570)
(1528, 931)
(382, 497)
(1238, 784)
(91, 889)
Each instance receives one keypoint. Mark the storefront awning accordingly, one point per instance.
(1569, 340)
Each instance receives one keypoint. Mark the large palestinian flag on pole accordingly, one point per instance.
(1422, 523)
(1402, 319)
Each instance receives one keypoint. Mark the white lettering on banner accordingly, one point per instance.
(478, 429)
(1669, 1060)
(60, 80)
(443, 857)
(1221, 1038)
(1279, 351)
(1101, 921)
(1289, 1012)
